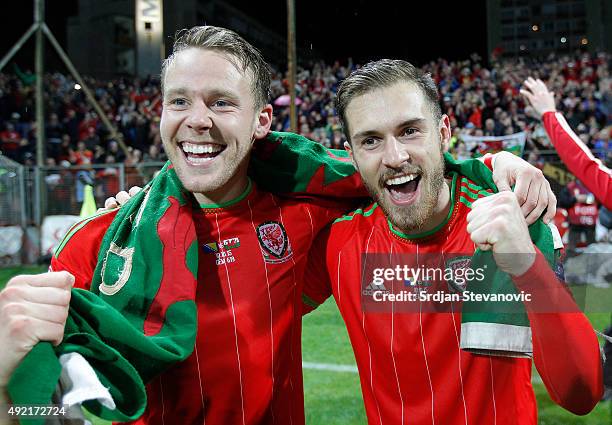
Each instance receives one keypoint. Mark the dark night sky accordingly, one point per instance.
(370, 29)
(334, 29)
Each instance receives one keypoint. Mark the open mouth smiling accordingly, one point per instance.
(403, 190)
(200, 153)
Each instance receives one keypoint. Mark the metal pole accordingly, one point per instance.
(122, 176)
(17, 46)
(39, 12)
(291, 61)
(111, 129)
(37, 197)
(22, 195)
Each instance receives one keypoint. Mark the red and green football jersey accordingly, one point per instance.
(411, 368)
(246, 365)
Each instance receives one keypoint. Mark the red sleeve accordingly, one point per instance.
(78, 251)
(565, 347)
(317, 282)
(578, 158)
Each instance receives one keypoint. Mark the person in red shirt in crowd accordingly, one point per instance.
(10, 141)
(90, 121)
(82, 156)
(582, 213)
(578, 158)
(109, 176)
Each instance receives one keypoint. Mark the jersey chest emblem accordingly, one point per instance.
(458, 266)
(275, 245)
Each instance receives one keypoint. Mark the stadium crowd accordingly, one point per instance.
(481, 101)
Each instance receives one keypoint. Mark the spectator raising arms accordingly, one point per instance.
(573, 152)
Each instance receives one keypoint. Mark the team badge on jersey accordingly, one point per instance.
(453, 266)
(275, 245)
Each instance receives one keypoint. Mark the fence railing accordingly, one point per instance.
(12, 211)
(38, 204)
(60, 190)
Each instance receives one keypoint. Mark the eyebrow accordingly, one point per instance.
(225, 94)
(411, 122)
(214, 93)
(175, 91)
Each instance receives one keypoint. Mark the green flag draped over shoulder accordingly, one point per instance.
(292, 164)
(139, 316)
(497, 328)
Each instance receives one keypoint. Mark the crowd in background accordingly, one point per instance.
(480, 101)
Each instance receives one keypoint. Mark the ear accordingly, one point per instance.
(445, 132)
(349, 149)
(264, 122)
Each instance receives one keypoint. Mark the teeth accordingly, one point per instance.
(197, 160)
(199, 148)
(401, 180)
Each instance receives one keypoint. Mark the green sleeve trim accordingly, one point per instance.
(465, 201)
(309, 301)
(234, 201)
(75, 228)
(466, 192)
(360, 211)
(439, 226)
(471, 185)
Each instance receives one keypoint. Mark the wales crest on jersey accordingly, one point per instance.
(274, 242)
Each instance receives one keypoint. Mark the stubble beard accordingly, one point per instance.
(412, 217)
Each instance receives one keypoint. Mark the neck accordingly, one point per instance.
(235, 187)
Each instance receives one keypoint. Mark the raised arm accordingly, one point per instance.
(572, 151)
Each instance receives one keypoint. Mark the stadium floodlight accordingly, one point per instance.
(40, 28)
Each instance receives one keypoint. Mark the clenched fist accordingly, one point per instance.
(33, 308)
(496, 222)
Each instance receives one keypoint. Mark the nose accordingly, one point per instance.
(199, 118)
(395, 153)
